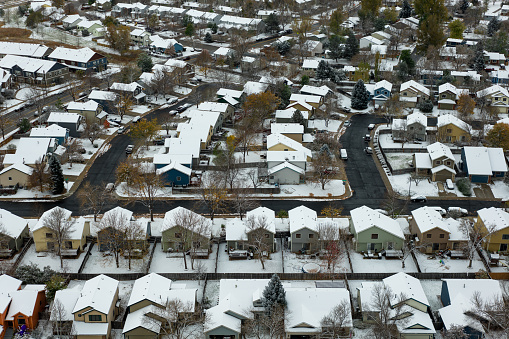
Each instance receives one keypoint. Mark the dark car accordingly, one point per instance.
(418, 198)
(159, 142)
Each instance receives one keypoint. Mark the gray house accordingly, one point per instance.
(71, 121)
(303, 230)
(411, 128)
(12, 231)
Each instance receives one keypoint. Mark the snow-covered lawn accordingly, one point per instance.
(90, 149)
(500, 189)
(144, 152)
(34, 193)
(182, 90)
(294, 263)
(400, 183)
(361, 265)
(139, 109)
(161, 263)
(399, 160)
(13, 142)
(23, 94)
(447, 265)
(104, 262)
(333, 125)
(224, 265)
(43, 259)
(75, 170)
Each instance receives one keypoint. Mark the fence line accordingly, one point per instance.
(21, 255)
(87, 255)
(156, 240)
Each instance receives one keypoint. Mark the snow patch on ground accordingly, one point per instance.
(43, 259)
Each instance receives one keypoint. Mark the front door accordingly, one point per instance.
(503, 247)
(436, 246)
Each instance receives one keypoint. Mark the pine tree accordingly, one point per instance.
(493, 26)
(335, 47)
(274, 294)
(57, 177)
(145, 62)
(464, 6)
(208, 37)
(323, 70)
(360, 96)
(479, 57)
(297, 117)
(351, 46)
(406, 10)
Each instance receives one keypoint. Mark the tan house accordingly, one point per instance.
(16, 174)
(45, 238)
(96, 308)
(494, 220)
(438, 163)
(280, 142)
(313, 100)
(452, 129)
(411, 92)
(496, 96)
(448, 96)
(293, 131)
(90, 110)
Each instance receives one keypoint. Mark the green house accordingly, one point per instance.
(12, 231)
(374, 231)
(185, 230)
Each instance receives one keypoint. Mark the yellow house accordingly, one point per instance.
(16, 174)
(293, 131)
(496, 96)
(313, 100)
(96, 308)
(280, 142)
(495, 221)
(451, 129)
(90, 109)
(45, 238)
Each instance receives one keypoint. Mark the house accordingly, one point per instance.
(458, 314)
(381, 35)
(45, 238)
(448, 96)
(222, 53)
(72, 21)
(322, 91)
(368, 41)
(291, 130)
(496, 97)
(83, 59)
(452, 129)
(96, 308)
(105, 99)
(280, 142)
(34, 71)
(179, 69)
(61, 310)
(374, 231)
(483, 164)
(37, 51)
(160, 45)
(175, 174)
(495, 220)
(310, 65)
(285, 115)
(133, 90)
(286, 167)
(60, 134)
(235, 94)
(90, 110)
(499, 76)
(437, 163)
(244, 234)
(314, 100)
(254, 87)
(312, 48)
(25, 306)
(178, 236)
(201, 131)
(433, 233)
(30, 151)
(9, 286)
(93, 27)
(411, 128)
(303, 107)
(15, 174)
(70, 121)
(225, 109)
(303, 230)
(382, 92)
(12, 233)
(140, 37)
(152, 289)
(464, 78)
(411, 92)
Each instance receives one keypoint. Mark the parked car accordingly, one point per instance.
(109, 187)
(368, 150)
(129, 149)
(449, 184)
(121, 130)
(458, 211)
(136, 119)
(367, 138)
(347, 123)
(418, 198)
(343, 154)
(371, 126)
(440, 210)
(173, 112)
(172, 100)
(159, 142)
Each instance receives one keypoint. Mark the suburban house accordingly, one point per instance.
(175, 174)
(437, 163)
(234, 94)
(34, 71)
(134, 90)
(495, 220)
(96, 308)
(496, 97)
(322, 91)
(61, 316)
(448, 96)
(90, 110)
(368, 41)
(13, 231)
(306, 109)
(411, 128)
(140, 37)
(411, 92)
(310, 65)
(382, 92)
(71, 21)
(285, 115)
(44, 237)
(280, 142)
(30, 151)
(178, 235)
(452, 129)
(431, 232)
(314, 100)
(291, 130)
(94, 27)
(37, 51)
(164, 46)
(374, 231)
(60, 134)
(286, 167)
(303, 230)
(83, 59)
(105, 99)
(25, 306)
(483, 164)
(225, 109)
(408, 305)
(9, 286)
(70, 121)
(15, 175)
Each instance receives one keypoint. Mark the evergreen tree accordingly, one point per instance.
(283, 47)
(425, 106)
(360, 96)
(464, 6)
(323, 70)
(493, 26)
(272, 23)
(145, 62)
(351, 46)
(479, 57)
(335, 47)
(406, 10)
(57, 177)
(274, 294)
(208, 37)
(297, 117)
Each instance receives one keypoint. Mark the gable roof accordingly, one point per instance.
(383, 84)
(152, 287)
(290, 128)
(402, 283)
(23, 302)
(302, 217)
(427, 218)
(494, 217)
(411, 84)
(284, 165)
(51, 131)
(90, 105)
(174, 166)
(438, 150)
(40, 223)
(23, 49)
(67, 298)
(448, 87)
(484, 160)
(447, 119)
(274, 139)
(169, 218)
(139, 318)
(29, 64)
(69, 54)
(98, 293)
(364, 218)
(492, 90)
(417, 117)
(13, 224)
(321, 91)
(267, 213)
(56, 117)
(19, 167)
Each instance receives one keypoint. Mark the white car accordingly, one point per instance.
(457, 210)
(449, 184)
(371, 126)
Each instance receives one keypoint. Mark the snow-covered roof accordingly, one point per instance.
(454, 227)
(364, 218)
(448, 87)
(13, 225)
(315, 99)
(402, 283)
(98, 293)
(118, 86)
(165, 158)
(231, 92)
(304, 104)
(492, 90)
(176, 63)
(455, 315)
(286, 128)
(277, 138)
(9, 284)
(310, 63)
(216, 317)
(40, 223)
(497, 159)
(281, 156)
(237, 295)
(422, 161)
(266, 213)
(213, 106)
(438, 150)
(23, 49)
(440, 168)
(66, 299)
(235, 230)
(56, 117)
(184, 145)
(173, 216)
(427, 218)
(417, 117)
(118, 213)
(284, 165)
(102, 95)
(253, 87)
(50, 131)
(289, 111)
(23, 302)
(223, 51)
(488, 289)
(20, 167)
(72, 18)
(29, 151)
(90, 329)
(174, 166)
(494, 217)
(372, 40)
(480, 159)
(415, 86)
(90, 105)
(39, 66)
(152, 287)
(87, 24)
(302, 217)
(69, 54)
(138, 319)
(384, 84)
(321, 91)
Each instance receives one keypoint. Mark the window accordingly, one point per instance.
(442, 236)
(404, 94)
(448, 163)
(374, 236)
(179, 178)
(21, 320)
(178, 235)
(437, 162)
(443, 95)
(311, 236)
(68, 244)
(94, 317)
(449, 130)
(298, 235)
(196, 244)
(505, 236)
(428, 235)
(49, 235)
(266, 235)
(504, 99)
(10, 178)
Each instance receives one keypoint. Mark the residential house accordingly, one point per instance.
(452, 129)
(280, 142)
(459, 315)
(313, 100)
(25, 306)
(249, 24)
(245, 234)
(34, 71)
(180, 69)
(15, 175)
(383, 36)
(9, 286)
(93, 27)
(254, 87)
(431, 77)
(140, 37)
(434, 233)
(234, 94)
(291, 130)
(69, 121)
(496, 96)
(368, 41)
(178, 236)
(45, 238)
(465, 78)
(132, 90)
(225, 109)
(83, 59)
(90, 110)
(500, 76)
(494, 59)
(437, 163)
(105, 99)
(72, 21)
(160, 45)
(496, 221)
(30, 151)
(303, 230)
(448, 96)
(222, 53)
(37, 51)
(96, 308)
(374, 231)
(285, 115)
(286, 167)
(201, 131)
(61, 316)
(312, 48)
(382, 92)
(310, 65)
(411, 128)
(303, 107)
(184, 145)
(483, 164)
(322, 91)
(175, 174)
(60, 134)
(12, 233)
(411, 92)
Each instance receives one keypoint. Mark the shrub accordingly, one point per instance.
(32, 274)
(425, 106)
(464, 186)
(282, 214)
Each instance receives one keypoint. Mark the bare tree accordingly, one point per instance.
(494, 313)
(135, 237)
(252, 174)
(408, 248)
(111, 234)
(93, 199)
(40, 176)
(325, 167)
(335, 324)
(62, 327)
(123, 103)
(37, 96)
(476, 236)
(330, 236)
(257, 229)
(148, 188)
(213, 195)
(267, 324)
(245, 136)
(73, 151)
(61, 228)
(92, 130)
(392, 205)
(241, 200)
(382, 314)
(455, 332)
(4, 237)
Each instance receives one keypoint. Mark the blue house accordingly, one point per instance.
(61, 134)
(500, 76)
(483, 164)
(83, 59)
(175, 174)
(160, 45)
(382, 92)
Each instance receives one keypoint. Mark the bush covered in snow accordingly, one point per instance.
(32, 274)
(464, 186)
(425, 106)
